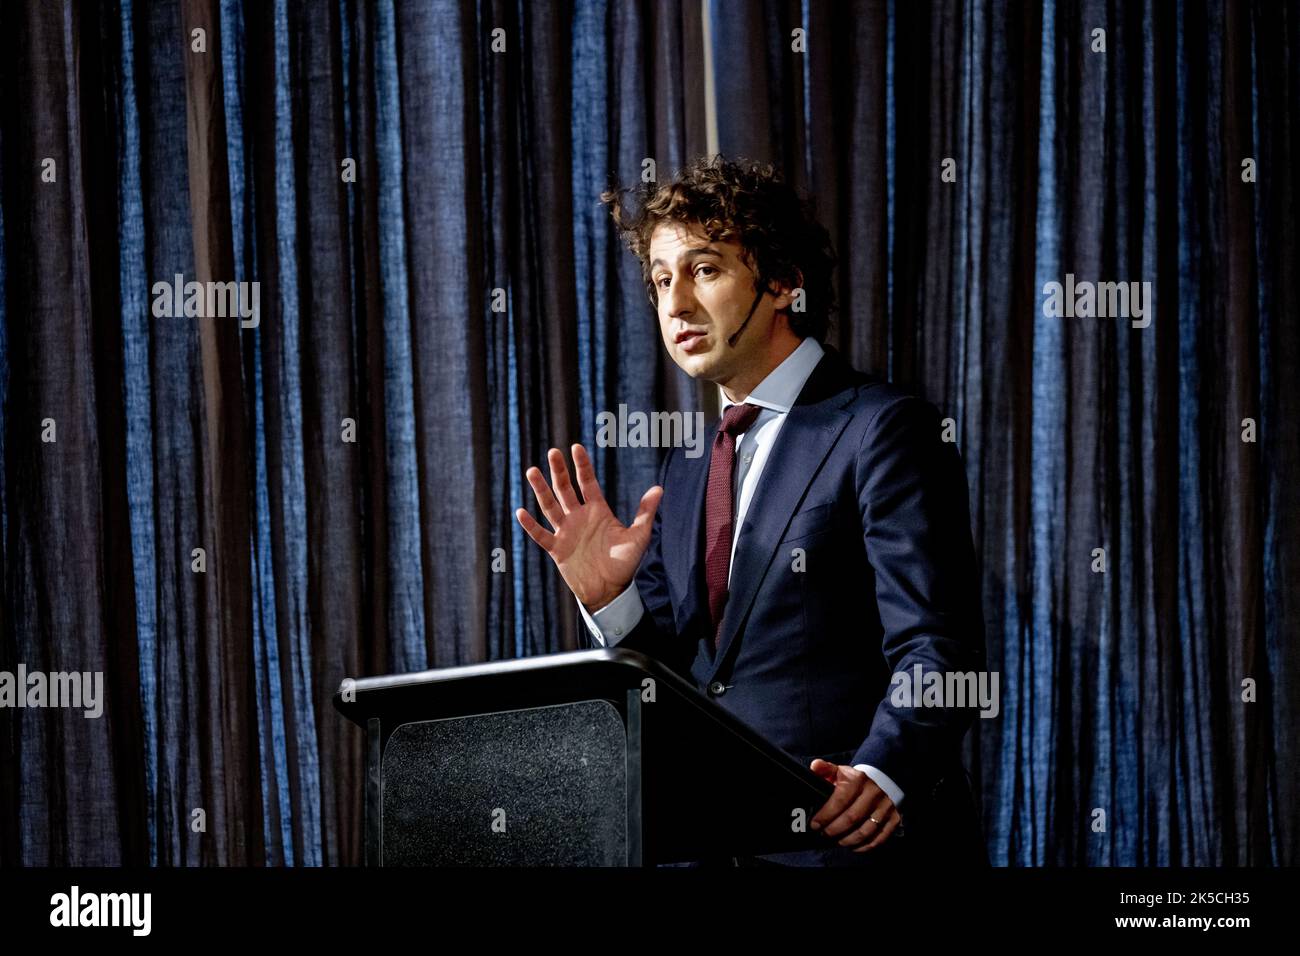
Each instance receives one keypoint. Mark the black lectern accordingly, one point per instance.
(595, 758)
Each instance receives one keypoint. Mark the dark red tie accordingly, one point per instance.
(718, 505)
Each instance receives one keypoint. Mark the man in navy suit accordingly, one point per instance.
(819, 558)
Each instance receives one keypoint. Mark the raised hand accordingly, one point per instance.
(596, 555)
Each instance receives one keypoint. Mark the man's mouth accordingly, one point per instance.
(689, 339)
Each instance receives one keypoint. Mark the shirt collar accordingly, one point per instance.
(779, 390)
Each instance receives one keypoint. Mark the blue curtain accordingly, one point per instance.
(233, 518)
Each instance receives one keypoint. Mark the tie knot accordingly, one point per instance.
(738, 418)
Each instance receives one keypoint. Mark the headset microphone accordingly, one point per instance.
(735, 337)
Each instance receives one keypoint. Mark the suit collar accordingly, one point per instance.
(780, 389)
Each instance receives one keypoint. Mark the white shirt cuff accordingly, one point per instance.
(883, 782)
(617, 618)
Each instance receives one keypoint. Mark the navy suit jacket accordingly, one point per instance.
(854, 563)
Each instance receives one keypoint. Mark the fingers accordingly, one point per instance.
(860, 828)
(560, 481)
(535, 530)
(839, 801)
(551, 509)
(893, 823)
(554, 505)
(864, 803)
(587, 483)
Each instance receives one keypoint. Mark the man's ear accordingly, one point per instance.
(780, 289)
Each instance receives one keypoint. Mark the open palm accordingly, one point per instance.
(595, 553)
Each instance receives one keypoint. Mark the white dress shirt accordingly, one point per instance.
(775, 396)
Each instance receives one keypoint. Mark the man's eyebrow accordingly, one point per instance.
(691, 254)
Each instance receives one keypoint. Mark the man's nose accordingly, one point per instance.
(677, 299)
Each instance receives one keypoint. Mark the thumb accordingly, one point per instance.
(825, 769)
(645, 513)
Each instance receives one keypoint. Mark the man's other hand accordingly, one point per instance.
(847, 814)
(596, 555)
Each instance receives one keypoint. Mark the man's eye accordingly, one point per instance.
(662, 279)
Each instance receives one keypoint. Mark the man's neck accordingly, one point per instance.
(739, 387)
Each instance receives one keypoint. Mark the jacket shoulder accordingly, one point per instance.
(872, 394)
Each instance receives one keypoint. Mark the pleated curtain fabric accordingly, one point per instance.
(227, 516)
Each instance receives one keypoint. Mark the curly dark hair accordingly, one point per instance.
(750, 203)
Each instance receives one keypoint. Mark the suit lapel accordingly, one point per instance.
(684, 536)
(804, 441)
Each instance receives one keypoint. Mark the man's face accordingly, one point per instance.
(705, 292)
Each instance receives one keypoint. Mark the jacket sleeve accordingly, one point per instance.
(912, 494)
